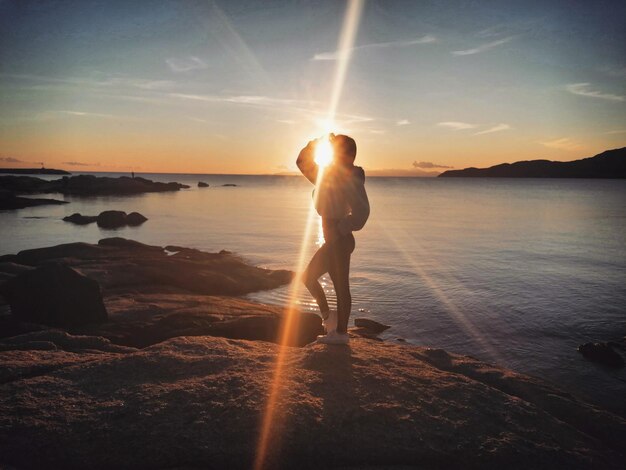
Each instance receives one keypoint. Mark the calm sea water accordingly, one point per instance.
(513, 271)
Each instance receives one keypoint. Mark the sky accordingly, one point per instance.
(240, 86)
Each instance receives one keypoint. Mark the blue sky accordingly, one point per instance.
(239, 86)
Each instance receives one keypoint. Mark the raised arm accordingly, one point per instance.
(306, 162)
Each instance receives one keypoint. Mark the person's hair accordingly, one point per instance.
(345, 148)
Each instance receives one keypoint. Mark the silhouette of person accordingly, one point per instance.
(342, 202)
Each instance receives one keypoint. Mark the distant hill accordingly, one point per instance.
(609, 164)
(33, 171)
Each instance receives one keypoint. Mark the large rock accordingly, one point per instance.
(200, 402)
(111, 219)
(202, 184)
(56, 295)
(153, 294)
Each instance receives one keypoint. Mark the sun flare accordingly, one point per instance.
(323, 152)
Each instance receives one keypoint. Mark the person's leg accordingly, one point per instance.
(318, 266)
(339, 270)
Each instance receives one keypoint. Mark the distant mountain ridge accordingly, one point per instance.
(608, 164)
(33, 171)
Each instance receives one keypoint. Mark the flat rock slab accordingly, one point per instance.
(198, 402)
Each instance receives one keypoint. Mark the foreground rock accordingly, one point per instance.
(10, 201)
(601, 353)
(86, 185)
(56, 295)
(153, 293)
(197, 402)
(202, 184)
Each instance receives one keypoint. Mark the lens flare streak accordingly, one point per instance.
(346, 43)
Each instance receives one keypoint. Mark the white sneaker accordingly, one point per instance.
(334, 338)
(330, 323)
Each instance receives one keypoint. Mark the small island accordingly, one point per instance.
(33, 171)
(608, 164)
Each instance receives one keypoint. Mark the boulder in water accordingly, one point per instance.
(54, 294)
(80, 219)
(601, 353)
(372, 326)
(202, 184)
(135, 218)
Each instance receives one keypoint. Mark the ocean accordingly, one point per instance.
(517, 272)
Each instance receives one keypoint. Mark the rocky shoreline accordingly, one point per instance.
(177, 371)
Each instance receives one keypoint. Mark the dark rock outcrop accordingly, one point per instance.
(56, 295)
(601, 353)
(202, 184)
(10, 201)
(87, 185)
(80, 219)
(135, 218)
(199, 402)
(33, 171)
(609, 164)
(229, 185)
(111, 219)
(371, 325)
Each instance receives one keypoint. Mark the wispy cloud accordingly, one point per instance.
(11, 160)
(617, 131)
(498, 128)
(403, 122)
(185, 64)
(582, 89)
(456, 125)
(335, 55)
(417, 164)
(88, 114)
(483, 47)
(562, 144)
(80, 164)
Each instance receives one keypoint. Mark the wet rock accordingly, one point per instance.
(135, 218)
(601, 353)
(54, 294)
(371, 326)
(202, 184)
(231, 185)
(80, 219)
(111, 219)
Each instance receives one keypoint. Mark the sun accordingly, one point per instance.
(323, 152)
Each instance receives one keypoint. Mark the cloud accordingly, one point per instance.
(498, 128)
(483, 47)
(185, 64)
(562, 144)
(417, 164)
(582, 89)
(80, 164)
(403, 122)
(11, 160)
(88, 114)
(456, 125)
(618, 131)
(334, 55)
